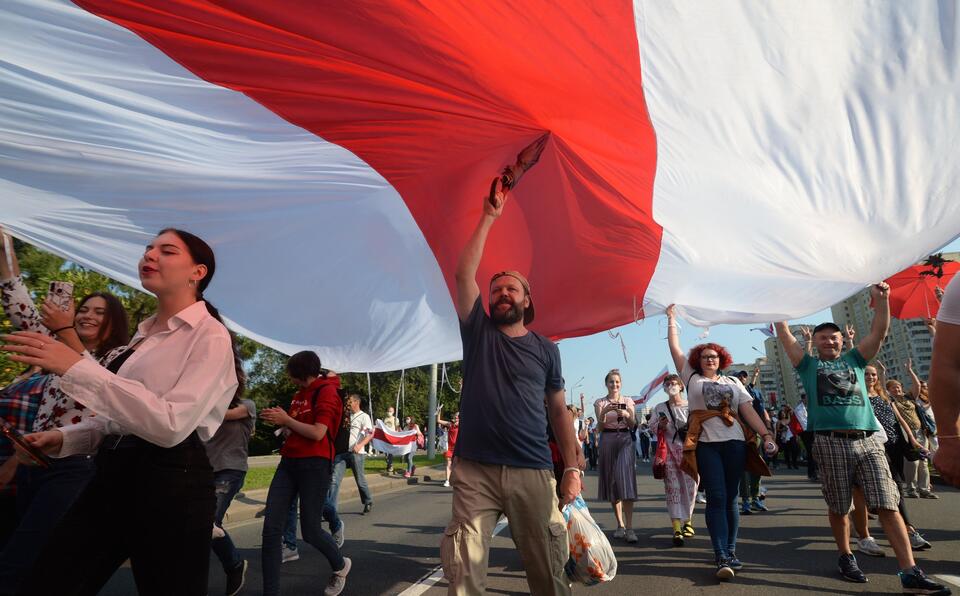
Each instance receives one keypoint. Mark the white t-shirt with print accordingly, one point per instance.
(706, 394)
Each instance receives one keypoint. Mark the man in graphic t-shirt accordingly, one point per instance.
(847, 448)
(502, 461)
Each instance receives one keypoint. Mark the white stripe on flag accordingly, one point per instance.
(799, 149)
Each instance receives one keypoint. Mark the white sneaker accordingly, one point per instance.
(701, 498)
(446, 483)
(619, 533)
(338, 579)
(289, 554)
(338, 535)
(869, 546)
(917, 542)
(631, 536)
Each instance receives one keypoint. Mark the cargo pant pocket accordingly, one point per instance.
(451, 552)
(559, 548)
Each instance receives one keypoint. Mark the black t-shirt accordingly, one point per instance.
(502, 416)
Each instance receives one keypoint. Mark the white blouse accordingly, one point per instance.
(177, 380)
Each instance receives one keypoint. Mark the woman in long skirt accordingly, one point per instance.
(680, 490)
(618, 457)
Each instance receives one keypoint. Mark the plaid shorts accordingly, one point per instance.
(845, 462)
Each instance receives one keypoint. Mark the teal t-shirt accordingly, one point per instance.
(836, 393)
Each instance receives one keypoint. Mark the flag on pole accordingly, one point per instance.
(768, 330)
(651, 388)
(394, 442)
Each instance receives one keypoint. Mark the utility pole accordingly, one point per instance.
(432, 413)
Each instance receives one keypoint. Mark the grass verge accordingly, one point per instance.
(261, 477)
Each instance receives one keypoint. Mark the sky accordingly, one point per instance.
(586, 360)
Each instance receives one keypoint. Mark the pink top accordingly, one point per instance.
(614, 420)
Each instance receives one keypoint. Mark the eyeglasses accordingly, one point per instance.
(709, 357)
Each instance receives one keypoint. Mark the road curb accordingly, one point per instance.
(251, 504)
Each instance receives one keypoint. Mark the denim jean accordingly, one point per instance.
(409, 459)
(226, 483)
(357, 462)
(721, 466)
(310, 478)
(43, 497)
(290, 527)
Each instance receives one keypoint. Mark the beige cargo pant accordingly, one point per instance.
(481, 492)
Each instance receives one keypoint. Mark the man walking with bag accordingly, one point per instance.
(508, 370)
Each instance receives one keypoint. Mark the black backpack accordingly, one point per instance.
(341, 434)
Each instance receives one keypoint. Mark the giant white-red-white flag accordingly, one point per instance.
(748, 161)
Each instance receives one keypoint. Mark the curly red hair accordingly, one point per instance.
(694, 359)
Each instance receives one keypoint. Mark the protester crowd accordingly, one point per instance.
(157, 421)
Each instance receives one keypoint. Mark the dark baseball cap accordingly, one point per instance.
(829, 326)
(528, 312)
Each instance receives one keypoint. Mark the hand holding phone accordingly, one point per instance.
(61, 294)
(35, 455)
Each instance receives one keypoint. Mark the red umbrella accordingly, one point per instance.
(913, 291)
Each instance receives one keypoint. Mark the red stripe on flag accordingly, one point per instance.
(393, 439)
(438, 96)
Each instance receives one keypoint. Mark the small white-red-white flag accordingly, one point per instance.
(651, 388)
(394, 442)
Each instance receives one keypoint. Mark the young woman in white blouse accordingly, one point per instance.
(152, 498)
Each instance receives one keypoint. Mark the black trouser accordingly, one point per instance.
(150, 504)
(807, 438)
(895, 451)
(791, 453)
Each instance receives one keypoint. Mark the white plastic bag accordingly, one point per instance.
(592, 560)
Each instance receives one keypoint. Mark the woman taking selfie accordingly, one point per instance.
(97, 329)
(152, 498)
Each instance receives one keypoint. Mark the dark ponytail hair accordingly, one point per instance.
(202, 254)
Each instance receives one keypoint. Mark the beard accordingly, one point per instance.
(512, 315)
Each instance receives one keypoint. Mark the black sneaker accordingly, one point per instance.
(850, 570)
(367, 508)
(916, 582)
(236, 577)
(724, 571)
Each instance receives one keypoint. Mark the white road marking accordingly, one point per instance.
(949, 579)
(431, 579)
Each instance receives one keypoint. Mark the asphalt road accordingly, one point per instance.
(786, 551)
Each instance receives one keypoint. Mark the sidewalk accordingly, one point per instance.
(251, 504)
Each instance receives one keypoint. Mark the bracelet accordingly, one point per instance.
(572, 469)
(56, 331)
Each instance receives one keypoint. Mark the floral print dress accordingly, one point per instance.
(56, 408)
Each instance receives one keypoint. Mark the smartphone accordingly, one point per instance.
(61, 294)
(662, 415)
(39, 457)
(621, 406)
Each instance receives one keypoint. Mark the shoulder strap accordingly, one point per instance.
(676, 431)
